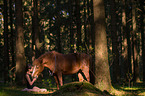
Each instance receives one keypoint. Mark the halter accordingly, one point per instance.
(33, 70)
(54, 68)
(55, 65)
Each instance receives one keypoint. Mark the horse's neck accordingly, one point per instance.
(50, 66)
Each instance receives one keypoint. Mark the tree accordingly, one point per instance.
(128, 33)
(20, 54)
(70, 27)
(102, 80)
(134, 44)
(142, 35)
(78, 23)
(36, 30)
(115, 51)
(6, 45)
(12, 44)
(58, 25)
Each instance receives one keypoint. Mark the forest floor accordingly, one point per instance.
(73, 89)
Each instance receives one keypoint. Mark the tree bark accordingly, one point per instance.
(128, 33)
(71, 27)
(115, 46)
(20, 54)
(78, 23)
(102, 73)
(12, 34)
(6, 45)
(142, 35)
(36, 30)
(134, 44)
(58, 24)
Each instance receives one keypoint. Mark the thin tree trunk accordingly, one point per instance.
(91, 39)
(71, 27)
(12, 35)
(36, 30)
(78, 23)
(86, 42)
(128, 32)
(124, 42)
(134, 45)
(142, 35)
(115, 51)
(58, 20)
(20, 54)
(6, 45)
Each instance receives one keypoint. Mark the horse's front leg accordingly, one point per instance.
(56, 80)
(60, 78)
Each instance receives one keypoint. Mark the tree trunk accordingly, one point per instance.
(128, 33)
(36, 30)
(6, 45)
(115, 51)
(142, 35)
(134, 44)
(71, 27)
(20, 54)
(91, 38)
(124, 65)
(102, 73)
(58, 24)
(12, 35)
(78, 23)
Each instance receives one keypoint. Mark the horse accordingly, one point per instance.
(65, 64)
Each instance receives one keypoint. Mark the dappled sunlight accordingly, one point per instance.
(117, 92)
(102, 39)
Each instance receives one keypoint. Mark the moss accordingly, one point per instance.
(79, 89)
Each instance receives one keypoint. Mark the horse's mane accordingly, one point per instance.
(49, 54)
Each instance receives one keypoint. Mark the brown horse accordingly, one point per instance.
(63, 64)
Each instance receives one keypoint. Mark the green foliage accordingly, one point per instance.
(73, 89)
(66, 9)
(129, 77)
(47, 83)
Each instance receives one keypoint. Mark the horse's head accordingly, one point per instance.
(45, 60)
(37, 67)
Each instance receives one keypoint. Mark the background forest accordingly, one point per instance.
(30, 28)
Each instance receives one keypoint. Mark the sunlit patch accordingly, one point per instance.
(33, 70)
(130, 88)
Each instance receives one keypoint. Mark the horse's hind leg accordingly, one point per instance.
(85, 70)
(80, 77)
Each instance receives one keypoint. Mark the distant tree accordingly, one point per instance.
(134, 44)
(12, 39)
(142, 11)
(128, 10)
(115, 43)
(102, 73)
(6, 45)
(36, 30)
(71, 26)
(78, 23)
(20, 54)
(58, 25)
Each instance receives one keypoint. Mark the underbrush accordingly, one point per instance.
(79, 89)
(72, 89)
